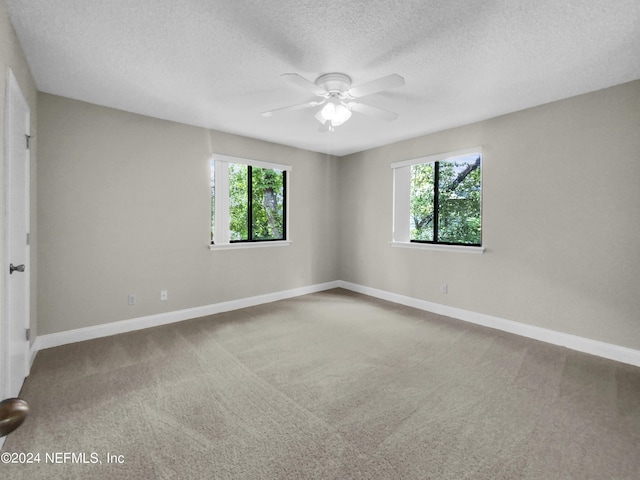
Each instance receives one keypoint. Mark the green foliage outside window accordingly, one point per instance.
(267, 187)
(213, 201)
(256, 203)
(446, 201)
(422, 201)
(238, 202)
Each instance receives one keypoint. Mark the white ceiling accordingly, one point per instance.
(217, 63)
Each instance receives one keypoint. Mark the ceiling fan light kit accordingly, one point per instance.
(337, 97)
(336, 113)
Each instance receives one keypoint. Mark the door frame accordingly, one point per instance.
(13, 93)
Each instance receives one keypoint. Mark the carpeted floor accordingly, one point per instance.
(333, 385)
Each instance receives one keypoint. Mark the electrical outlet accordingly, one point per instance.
(164, 295)
(132, 299)
(444, 288)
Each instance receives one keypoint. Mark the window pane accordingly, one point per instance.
(213, 200)
(459, 201)
(268, 204)
(422, 181)
(238, 202)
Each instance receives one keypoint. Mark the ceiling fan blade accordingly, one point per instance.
(385, 83)
(302, 82)
(299, 106)
(373, 111)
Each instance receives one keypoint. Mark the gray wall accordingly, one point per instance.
(561, 219)
(124, 208)
(11, 56)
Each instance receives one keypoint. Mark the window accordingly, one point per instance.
(248, 201)
(438, 199)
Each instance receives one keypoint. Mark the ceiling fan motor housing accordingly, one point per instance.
(335, 83)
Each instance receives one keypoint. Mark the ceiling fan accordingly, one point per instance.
(337, 97)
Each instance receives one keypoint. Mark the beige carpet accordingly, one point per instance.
(332, 385)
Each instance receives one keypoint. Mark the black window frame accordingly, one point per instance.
(436, 208)
(250, 238)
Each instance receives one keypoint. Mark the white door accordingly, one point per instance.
(15, 264)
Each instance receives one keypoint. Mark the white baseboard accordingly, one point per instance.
(88, 333)
(581, 344)
(574, 342)
(35, 346)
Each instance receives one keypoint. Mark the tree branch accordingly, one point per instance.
(462, 175)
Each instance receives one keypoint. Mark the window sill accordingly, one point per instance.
(241, 245)
(439, 248)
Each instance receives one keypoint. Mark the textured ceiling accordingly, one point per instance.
(217, 63)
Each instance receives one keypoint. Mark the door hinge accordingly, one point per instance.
(28, 334)
(28, 239)
(28, 138)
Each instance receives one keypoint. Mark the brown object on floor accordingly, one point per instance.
(13, 411)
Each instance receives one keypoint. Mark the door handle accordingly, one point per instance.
(12, 413)
(13, 268)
